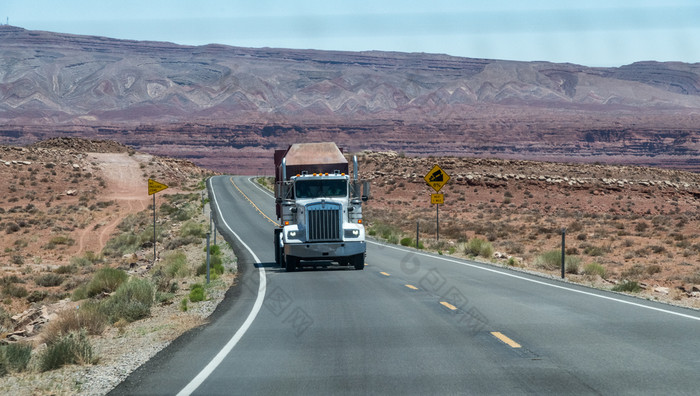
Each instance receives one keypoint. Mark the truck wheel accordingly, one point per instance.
(278, 248)
(359, 261)
(291, 263)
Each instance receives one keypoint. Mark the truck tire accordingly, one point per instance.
(358, 261)
(278, 248)
(291, 263)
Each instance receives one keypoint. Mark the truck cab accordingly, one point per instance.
(320, 217)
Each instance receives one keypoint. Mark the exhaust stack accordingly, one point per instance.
(354, 167)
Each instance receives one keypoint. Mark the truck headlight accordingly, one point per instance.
(352, 233)
(291, 235)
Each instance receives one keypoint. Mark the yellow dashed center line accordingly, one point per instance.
(505, 339)
(384, 273)
(448, 305)
(411, 287)
(254, 205)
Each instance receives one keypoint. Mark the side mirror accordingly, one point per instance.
(365, 198)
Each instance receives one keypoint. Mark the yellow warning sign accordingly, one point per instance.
(438, 199)
(436, 178)
(154, 187)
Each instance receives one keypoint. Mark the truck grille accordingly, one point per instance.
(323, 222)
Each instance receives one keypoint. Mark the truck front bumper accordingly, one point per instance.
(324, 251)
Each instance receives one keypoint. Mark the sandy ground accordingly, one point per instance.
(125, 186)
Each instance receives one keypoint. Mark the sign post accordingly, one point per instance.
(436, 178)
(153, 188)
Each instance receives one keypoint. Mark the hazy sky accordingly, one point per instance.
(591, 32)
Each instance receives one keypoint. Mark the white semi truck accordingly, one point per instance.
(319, 207)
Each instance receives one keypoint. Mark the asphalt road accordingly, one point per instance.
(414, 323)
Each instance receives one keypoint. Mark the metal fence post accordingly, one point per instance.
(417, 234)
(563, 252)
(208, 233)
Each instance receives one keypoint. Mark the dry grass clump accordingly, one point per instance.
(71, 348)
(88, 317)
(14, 358)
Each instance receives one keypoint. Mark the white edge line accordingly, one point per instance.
(267, 192)
(214, 363)
(541, 282)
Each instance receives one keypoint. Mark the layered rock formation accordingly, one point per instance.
(228, 107)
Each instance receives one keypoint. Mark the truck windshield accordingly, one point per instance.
(321, 188)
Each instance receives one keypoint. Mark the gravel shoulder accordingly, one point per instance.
(121, 350)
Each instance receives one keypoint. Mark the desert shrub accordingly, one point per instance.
(80, 293)
(216, 267)
(694, 278)
(197, 292)
(49, 280)
(551, 260)
(17, 259)
(406, 241)
(575, 226)
(183, 215)
(657, 249)
(5, 320)
(65, 269)
(633, 272)
(514, 247)
(175, 265)
(6, 280)
(594, 251)
(180, 241)
(594, 269)
(641, 226)
(385, 231)
(130, 241)
(132, 301)
(183, 305)
(213, 249)
(627, 286)
(479, 247)
(37, 295)
(11, 227)
(167, 209)
(72, 348)
(121, 244)
(163, 297)
(13, 290)
(653, 269)
(62, 240)
(192, 229)
(106, 280)
(572, 264)
(15, 357)
(89, 258)
(134, 222)
(88, 317)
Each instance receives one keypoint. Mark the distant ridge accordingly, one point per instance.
(183, 100)
(69, 78)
